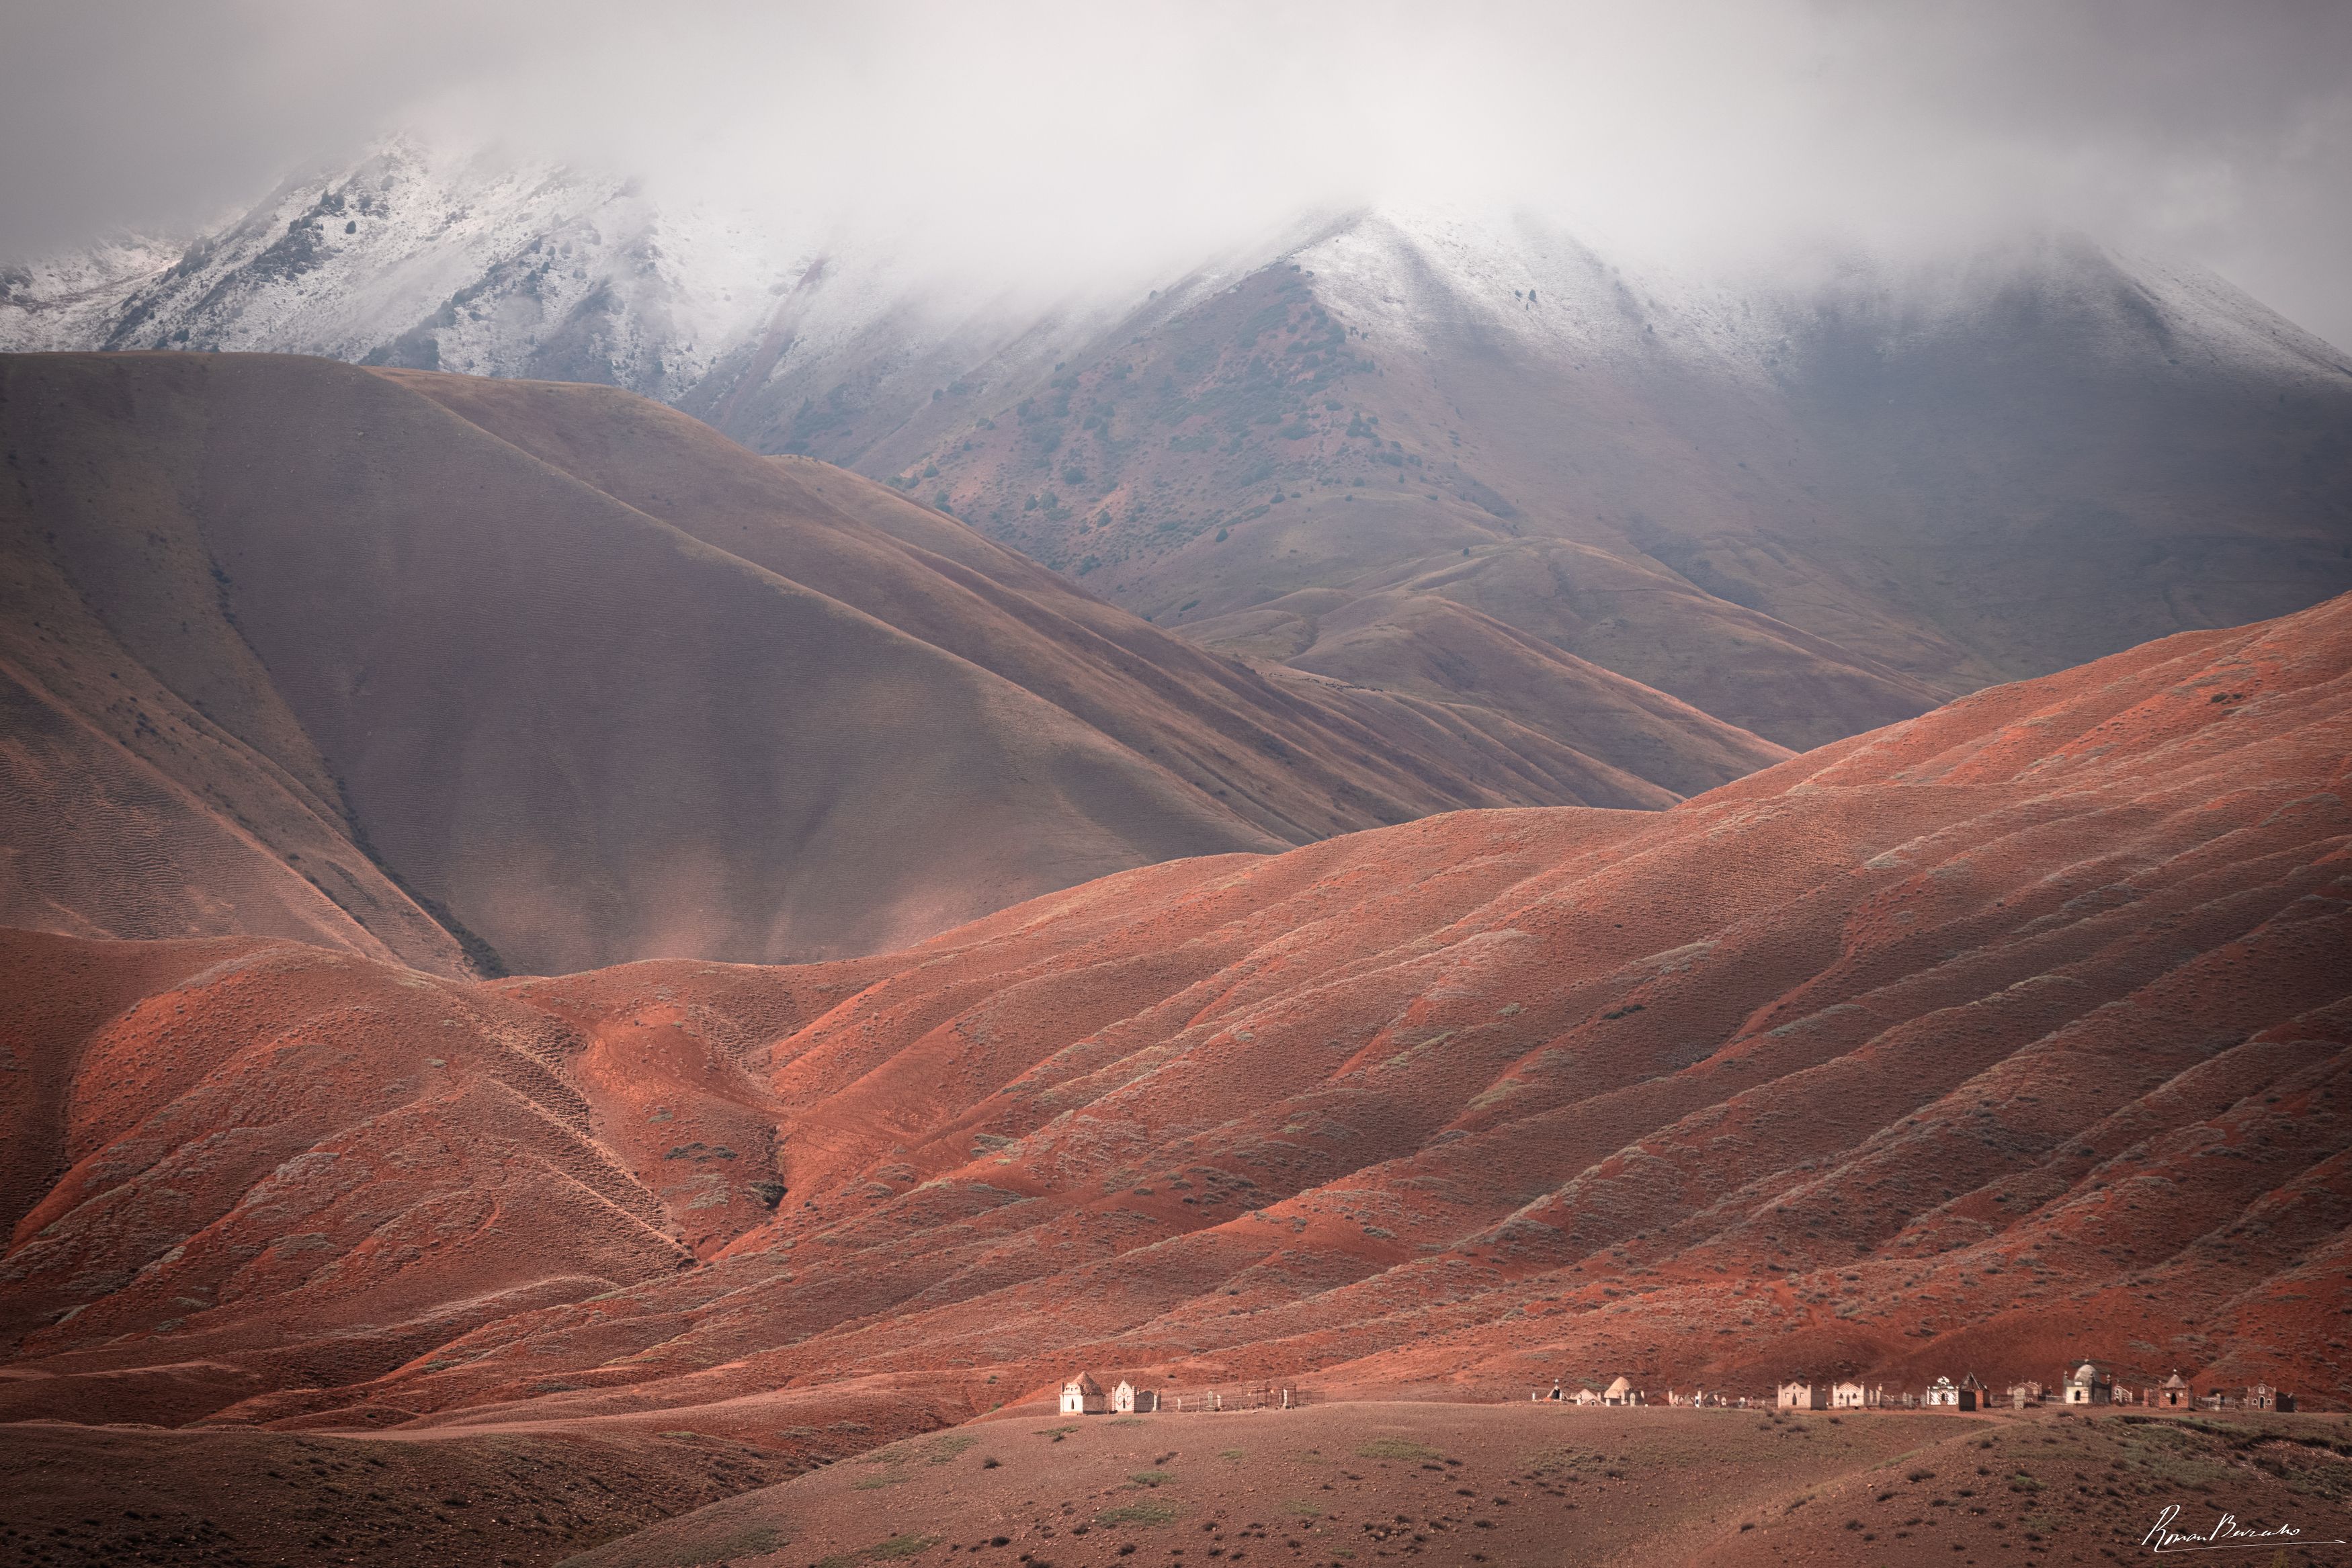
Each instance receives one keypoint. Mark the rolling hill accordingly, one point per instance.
(515, 675)
(2006, 1035)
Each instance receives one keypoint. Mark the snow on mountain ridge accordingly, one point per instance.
(1419, 277)
(417, 256)
(434, 256)
(71, 300)
(1514, 278)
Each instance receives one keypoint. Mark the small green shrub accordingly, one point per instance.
(1395, 1449)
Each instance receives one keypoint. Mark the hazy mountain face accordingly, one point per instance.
(457, 670)
(1402, 450)
(1806, 510)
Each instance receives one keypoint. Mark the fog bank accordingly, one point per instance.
(1082, 144)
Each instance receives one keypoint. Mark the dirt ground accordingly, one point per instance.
(1341, 1486)
(119, 1495)
(1349, 1485)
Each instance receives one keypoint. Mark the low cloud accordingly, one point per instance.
(1086, 143)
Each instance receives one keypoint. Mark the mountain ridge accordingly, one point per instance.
(1808, 502)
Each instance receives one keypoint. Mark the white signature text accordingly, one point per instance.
(2226, 1531)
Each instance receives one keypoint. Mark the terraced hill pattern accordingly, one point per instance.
(2008, 1034)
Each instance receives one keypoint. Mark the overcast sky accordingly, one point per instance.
(1101, 136)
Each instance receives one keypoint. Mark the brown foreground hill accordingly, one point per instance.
(1348, 1483)
(2006, 1035)
(477, 674)
(1532, 1485)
